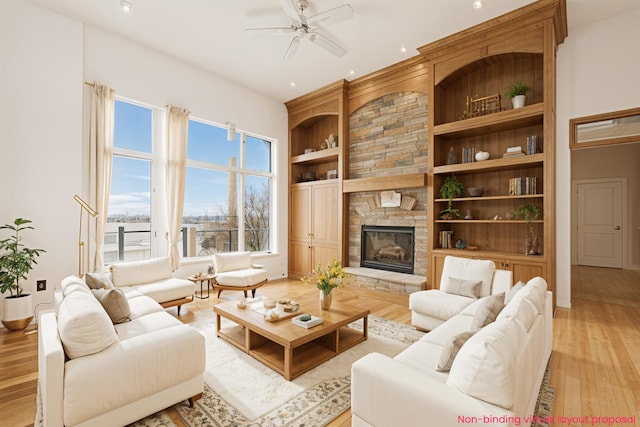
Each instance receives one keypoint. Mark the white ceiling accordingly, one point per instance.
(209, 34)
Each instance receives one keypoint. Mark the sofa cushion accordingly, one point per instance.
(83, 325)
(443, 333)
(98, 281)
(142, 305)
(72, 282)
(137, 272)
(488, 310)
(511, 292)
(115, 303)
(242, 278)
(146, 324)
(76, 286)
(485, 365)
(471, 269)
(534, 291)
(521, 310)
(463, 287)
(451, 349)
(440, 305)
(231, 261)
(423, 356)
(168, 289)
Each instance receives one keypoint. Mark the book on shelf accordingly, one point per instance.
(516, 149)
(532, 144)
(315, 320)
(468, 154)
(446, 239)
(522, 186)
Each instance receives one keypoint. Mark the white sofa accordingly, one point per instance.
(111, 357)
(431, 308)
(153, 278)
(493, 380)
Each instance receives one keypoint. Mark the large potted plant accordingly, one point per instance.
(450, 189)
(16, 261)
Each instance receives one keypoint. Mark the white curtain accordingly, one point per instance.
(177, 133)
(100, 161)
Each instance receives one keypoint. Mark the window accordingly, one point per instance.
(227, 204)
(128, 231)
(226, 178)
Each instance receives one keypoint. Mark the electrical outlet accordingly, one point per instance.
(41, 285)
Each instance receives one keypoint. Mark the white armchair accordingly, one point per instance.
(235, 272)
(431, 308)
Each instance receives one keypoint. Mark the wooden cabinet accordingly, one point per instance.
(314, 229)
(469, 73)
(316, 172)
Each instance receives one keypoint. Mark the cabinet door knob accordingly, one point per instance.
(617, 227)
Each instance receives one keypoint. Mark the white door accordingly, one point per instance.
(599, 209)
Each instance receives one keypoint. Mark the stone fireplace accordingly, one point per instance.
(387, 248)
(388, 141)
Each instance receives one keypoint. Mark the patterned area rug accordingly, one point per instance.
(314, 406)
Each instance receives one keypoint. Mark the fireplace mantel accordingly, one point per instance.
(382, 183)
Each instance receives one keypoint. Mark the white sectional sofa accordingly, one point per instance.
(108, 357)
(471, 278)
(153, 278)
(493, 380)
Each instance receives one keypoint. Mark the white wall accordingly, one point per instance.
(598, 66)
(46, 57)
(40, 131)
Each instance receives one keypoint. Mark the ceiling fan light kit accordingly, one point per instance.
(308, 27)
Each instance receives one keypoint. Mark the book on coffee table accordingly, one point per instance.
(307, 324)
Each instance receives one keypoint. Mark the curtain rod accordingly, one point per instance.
(90, 83)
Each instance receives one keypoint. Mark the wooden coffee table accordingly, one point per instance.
(286, 348)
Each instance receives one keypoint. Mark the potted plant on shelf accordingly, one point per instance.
(530, 213)
(450, 189)
(16, 261)
(518, 94)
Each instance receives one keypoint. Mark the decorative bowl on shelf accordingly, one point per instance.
(482, 155)
(475, 191)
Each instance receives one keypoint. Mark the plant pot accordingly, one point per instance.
(518, 101)
(325, 300)
(17, 312)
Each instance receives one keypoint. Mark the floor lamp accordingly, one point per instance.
(83, 205)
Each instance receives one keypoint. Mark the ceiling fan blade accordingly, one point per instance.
(272, 31)
(291, 50)
(327, 44)
(331, 16)
(289, 7)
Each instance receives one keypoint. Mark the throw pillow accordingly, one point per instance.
(451, 349)
(464, 287)
(115, 303)
(514, 290)
(488, 310)
(98, 281)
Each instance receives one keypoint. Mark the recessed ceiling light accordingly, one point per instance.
(477, 4)
(293, 84)
(125, 5)
(403, 49)
(352, 72)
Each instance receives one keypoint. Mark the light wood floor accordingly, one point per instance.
(595, 361)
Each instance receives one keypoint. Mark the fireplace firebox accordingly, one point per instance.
(387, 248)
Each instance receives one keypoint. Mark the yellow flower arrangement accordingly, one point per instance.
(328, 279)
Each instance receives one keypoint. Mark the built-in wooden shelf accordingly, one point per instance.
(485, 198)
(487, 221)
(492, 164)
(496, 122)
(321, 156)
(382, 183)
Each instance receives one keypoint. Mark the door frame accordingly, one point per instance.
(626, 249)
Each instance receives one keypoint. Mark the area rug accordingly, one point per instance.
(240, 391)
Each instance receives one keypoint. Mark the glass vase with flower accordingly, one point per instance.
(326, 279)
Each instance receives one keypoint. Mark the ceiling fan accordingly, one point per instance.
(303, 26)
